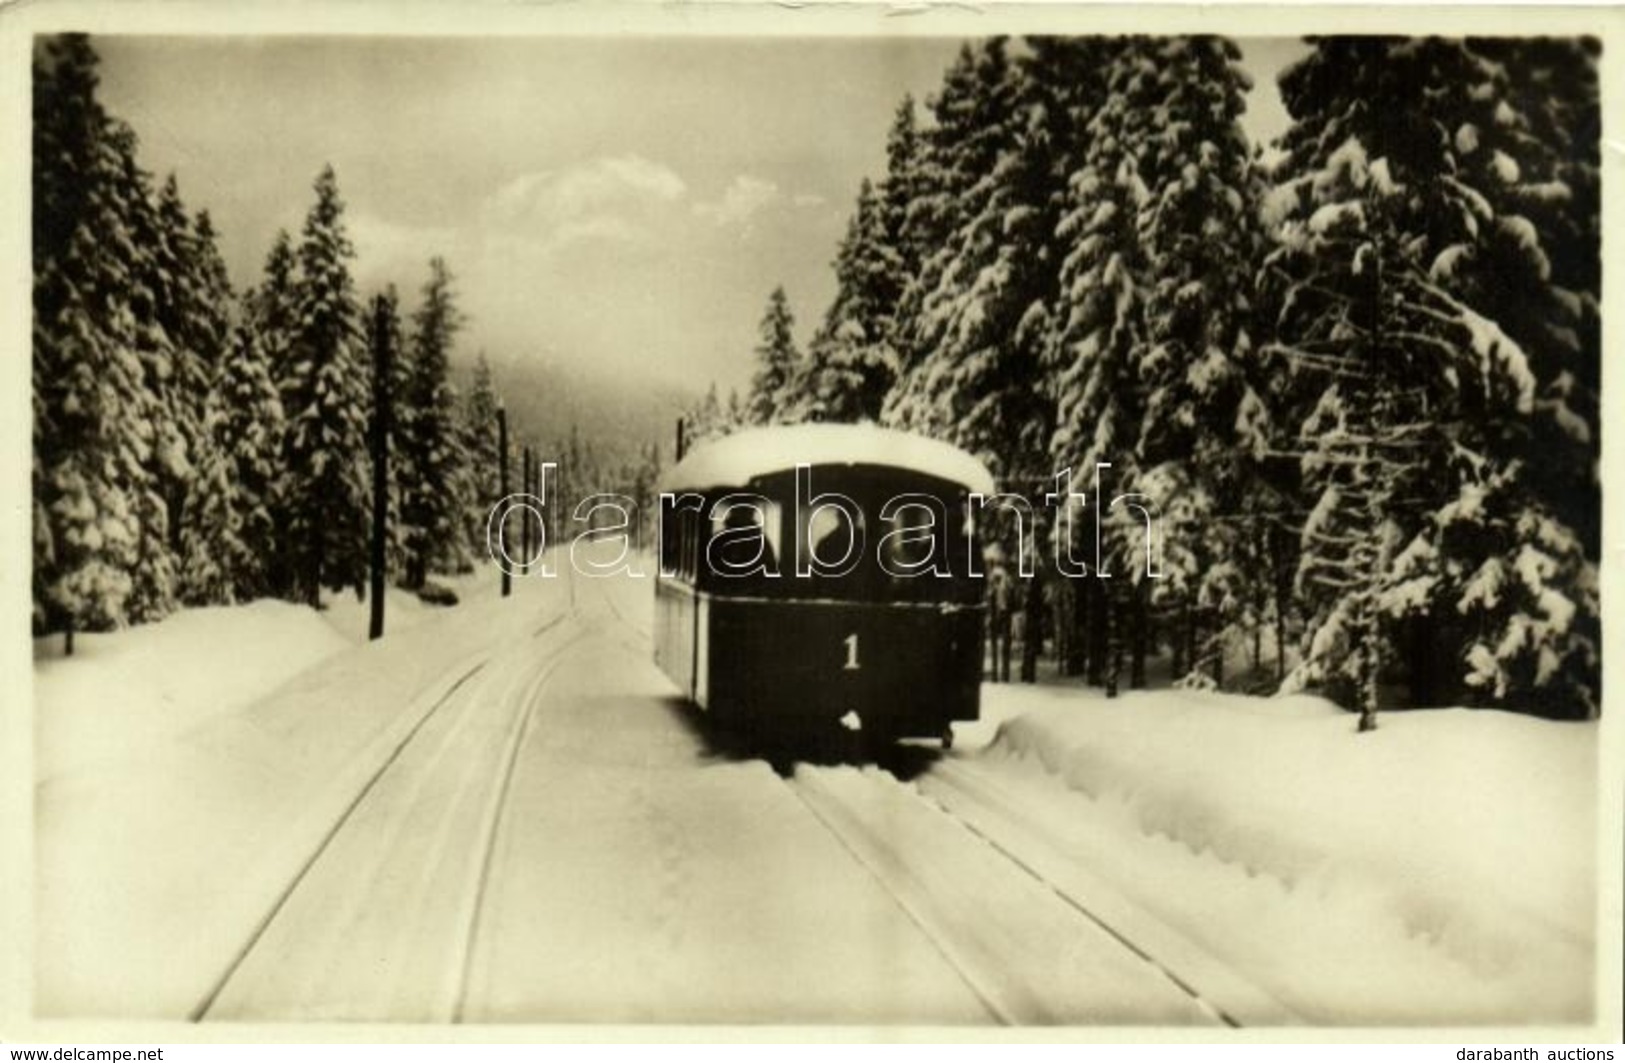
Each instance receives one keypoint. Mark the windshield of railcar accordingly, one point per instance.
(843, 532)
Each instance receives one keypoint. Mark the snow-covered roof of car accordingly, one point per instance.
(735, 460)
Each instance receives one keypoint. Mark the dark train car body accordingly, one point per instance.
(892, 646)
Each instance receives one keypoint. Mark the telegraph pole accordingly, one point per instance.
(382, 361)
(524, 534)
(502, 451)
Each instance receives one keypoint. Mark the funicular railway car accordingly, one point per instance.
(823, 576)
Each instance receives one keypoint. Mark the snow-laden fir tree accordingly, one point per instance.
(90, 441)
(271, 309)
(1529, 605)
(1548, 172)
(165, 397)
(1536, 271)
(1199, 435)
(217, 309)
(899, 189)
(274, 304)
(481, 469)
(386, 326)
(323, 386)
(228, 529)
(643, 487)
(973, 123)
(705, 419)
(1416, 440)
(778, 364)
(850, 362)
(980, 337)
(193, 305)
(1098, 329)
(431, 454)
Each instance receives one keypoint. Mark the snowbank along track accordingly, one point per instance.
(1034, 950)
(362, 892)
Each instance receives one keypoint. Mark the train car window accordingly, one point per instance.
(835, 542)
(696, 542)
(914, 540)
(670, 547)
(685, 525)
(872, 492)
(744, 538)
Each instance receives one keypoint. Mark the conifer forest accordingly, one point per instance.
(1355, 372)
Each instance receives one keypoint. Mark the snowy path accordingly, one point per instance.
(1008, 824)
(1031, 952)
(504, 814)
(553, 841)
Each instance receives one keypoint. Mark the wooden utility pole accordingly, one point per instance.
(682, 443)
(502, 452)
(524, 527)
(540, 538)
(383, 359)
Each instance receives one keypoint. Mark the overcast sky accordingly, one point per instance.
(627, 204)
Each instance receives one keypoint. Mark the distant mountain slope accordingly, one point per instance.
(617, 418)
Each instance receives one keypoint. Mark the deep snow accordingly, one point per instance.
(1439, 870)
(136, 690)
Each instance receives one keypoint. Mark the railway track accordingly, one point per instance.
(417, 837)
(1034, 943)
(396, 914)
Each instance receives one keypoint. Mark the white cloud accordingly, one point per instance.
(612, 200)
(607, 261)
(806, 199)
(740, 200)
(389, 252)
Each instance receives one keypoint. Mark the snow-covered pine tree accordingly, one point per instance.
(228, 530)
(325, 396)
(399, 472)
(951, 179)
(899, 189)
(1535, 271)
(1522, 571)
(1197, 227)
(481, 470)
(274, 304)
(979, 338)
(778, 363)
(271, 307)
(1098, 327)
(210, 541)
(217, 309)
(1552, 129)
(1422, 404)
(383, 538)
(850, 363)
(167, 466)
(580, 472)
(91, 444)
(705, 419)
(192, 304)
(643, 488)
(432, 499)
(197, 319)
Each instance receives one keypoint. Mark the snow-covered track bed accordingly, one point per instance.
(1029, 950)
(381, 921)
(977, 801)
